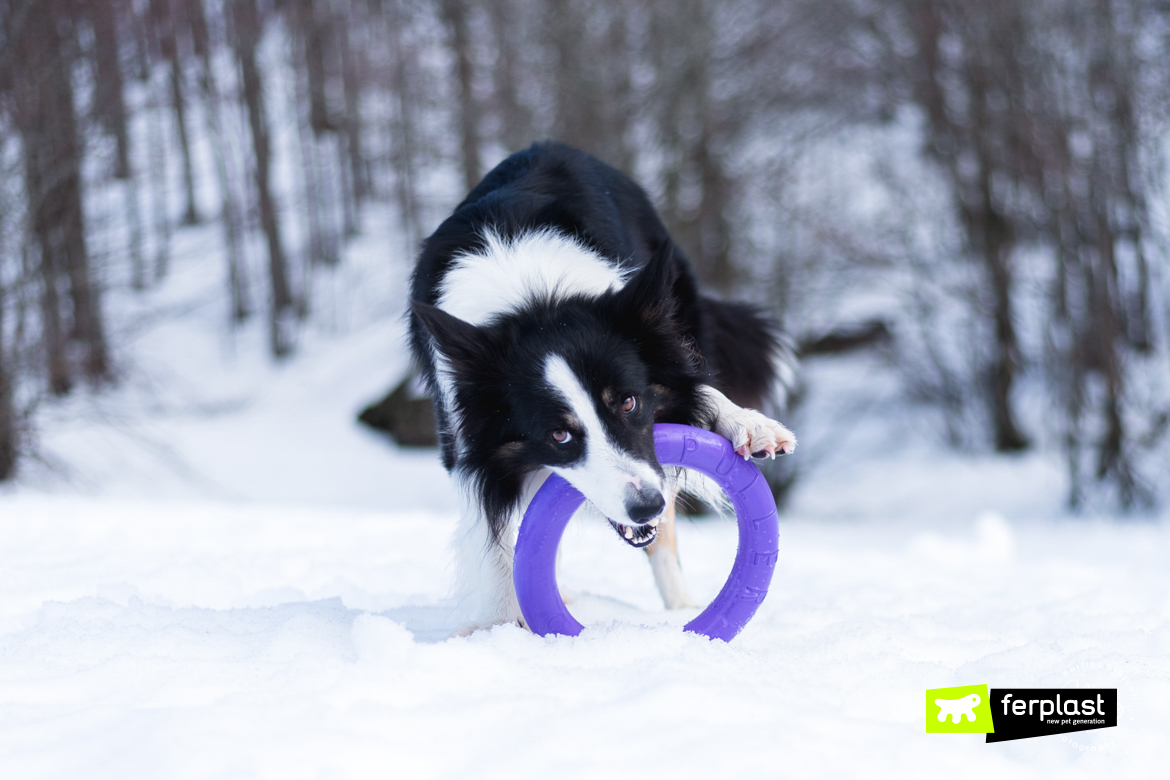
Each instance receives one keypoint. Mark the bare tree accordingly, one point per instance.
(229, 211)
(352, 76)
(1100, 227)
(456, 15)
(8, 432)
(8, 440)
(246, 28)
(107, 16)
(406, 93)
(966, 75)
(146, 53)
(515, 120)
(165, 28)
(352, 169)
(314, 121)
(109, 93)
(1033, 112)
(46, 118)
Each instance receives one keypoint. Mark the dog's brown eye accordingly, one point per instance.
(629, 404)
(562, 436)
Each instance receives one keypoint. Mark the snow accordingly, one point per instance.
(213, 571)
(200, 639)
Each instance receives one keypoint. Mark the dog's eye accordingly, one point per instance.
(629, 404)
(562, 436)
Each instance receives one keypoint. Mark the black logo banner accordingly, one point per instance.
(1020, 713)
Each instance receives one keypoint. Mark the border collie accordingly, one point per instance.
(555, 322)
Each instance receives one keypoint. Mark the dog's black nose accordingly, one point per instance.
(647, 505)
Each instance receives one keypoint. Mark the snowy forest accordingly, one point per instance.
(214, 561)
(1009, 195)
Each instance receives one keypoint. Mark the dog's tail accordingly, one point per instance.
(750, 359)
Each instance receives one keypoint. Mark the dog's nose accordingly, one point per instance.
(646, 505)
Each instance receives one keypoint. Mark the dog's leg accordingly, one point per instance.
(484, 590)
(567, 596)
(663, 555)
(749, 432)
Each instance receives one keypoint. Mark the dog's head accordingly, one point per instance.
(574, 385)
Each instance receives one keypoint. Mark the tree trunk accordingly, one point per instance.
(712, 226)
(515, 124)
(110, 109)
(157, 171)
(109, 93)
(976, 139)
(351, 77)
(165, 25)
(1008, 437)
(134, 218)
(313, 37)
(229, 213)
(8, 434)
(1114, 460)
(52, 332)
(312, 109)
(310, 173)
(350, 168)
(576, 121)
(46, 117)
(405, 149)
(345, 188)
(179, 102)
(459, 42)
(692, 141)
(7, 414)
(992, 234)
(88, 327)
(246, 24)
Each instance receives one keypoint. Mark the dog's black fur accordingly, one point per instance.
(657, 338)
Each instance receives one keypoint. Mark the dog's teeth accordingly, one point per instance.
(629, 532)
(654, 523)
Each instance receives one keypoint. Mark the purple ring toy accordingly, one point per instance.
(534, 570)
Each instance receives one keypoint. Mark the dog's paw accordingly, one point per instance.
(467, 629)
(753, 434)
(508, 616)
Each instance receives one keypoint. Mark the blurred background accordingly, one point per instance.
(958, 211)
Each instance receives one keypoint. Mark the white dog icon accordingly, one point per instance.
(957, 708)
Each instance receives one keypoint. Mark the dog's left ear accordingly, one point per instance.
(648, 292)
(459, 341)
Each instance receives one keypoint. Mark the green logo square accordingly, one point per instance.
(961, 710)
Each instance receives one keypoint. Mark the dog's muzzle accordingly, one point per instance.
(643, 507)
(637, 535)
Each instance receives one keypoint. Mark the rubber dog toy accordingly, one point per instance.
(534, 567)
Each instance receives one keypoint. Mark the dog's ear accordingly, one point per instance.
(458, 341)
(648, 294)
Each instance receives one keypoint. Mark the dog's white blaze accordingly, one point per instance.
(507, 274)
(604, 472)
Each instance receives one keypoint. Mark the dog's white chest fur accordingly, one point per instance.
(509, 273)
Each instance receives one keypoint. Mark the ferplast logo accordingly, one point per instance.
(1005, 714)
(962, 710)
(1022, 713)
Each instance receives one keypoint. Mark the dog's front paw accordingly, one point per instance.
(753, 434)
(469, 628)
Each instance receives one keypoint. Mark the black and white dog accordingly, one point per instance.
(555, 321)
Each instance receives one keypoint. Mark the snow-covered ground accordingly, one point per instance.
(213, 571)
